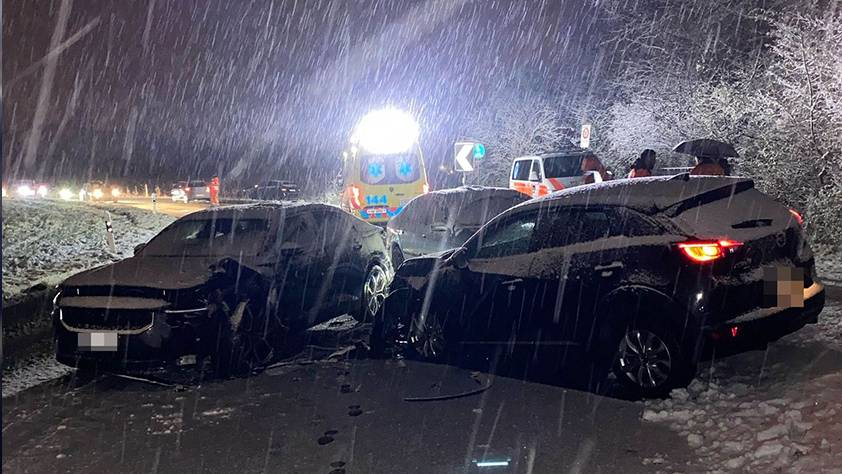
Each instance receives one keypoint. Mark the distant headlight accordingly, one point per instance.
(97, 194)
(42, 190)
(115, 192)
(25, 191)
(4, 191)
(65, 194)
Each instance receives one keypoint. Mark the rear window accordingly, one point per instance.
(197, 184)
(563, 166)
(209, 237)
(390, 169)
(520, 170)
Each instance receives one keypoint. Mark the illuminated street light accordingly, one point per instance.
(386, 131)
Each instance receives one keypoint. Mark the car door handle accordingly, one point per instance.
(608, 269)
(511, 284)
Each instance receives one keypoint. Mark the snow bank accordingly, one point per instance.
(45, 241)
(773, 411)
(829, 266)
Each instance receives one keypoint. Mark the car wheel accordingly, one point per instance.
(649, 359)
(428, 339)
(374, 293)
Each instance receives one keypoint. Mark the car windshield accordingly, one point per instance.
(390, 169)
(563, 166)
(209, 237)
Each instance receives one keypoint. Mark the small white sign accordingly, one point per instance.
(585, 137)
(463, 152)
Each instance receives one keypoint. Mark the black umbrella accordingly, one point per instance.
(706, 148)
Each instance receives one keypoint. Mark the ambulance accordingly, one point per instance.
(383, 167)
(539, 175)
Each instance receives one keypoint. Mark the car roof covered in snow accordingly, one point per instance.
(258, 210)
(648, 195)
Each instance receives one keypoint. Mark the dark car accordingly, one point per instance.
(442, 220)
(229, 283)
(630, 275)
(274, 190)
(186, 191)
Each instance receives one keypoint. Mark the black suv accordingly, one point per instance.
(629, 276)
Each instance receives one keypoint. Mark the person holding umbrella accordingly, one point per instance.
(643, 165)
(711, 156)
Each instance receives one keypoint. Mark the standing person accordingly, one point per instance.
(643, 165)
(214, 191)
(707, 166)
(591, 165)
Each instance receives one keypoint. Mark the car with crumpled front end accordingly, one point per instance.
(235, 279)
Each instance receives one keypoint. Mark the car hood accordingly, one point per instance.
(167, 273)
(423, 265)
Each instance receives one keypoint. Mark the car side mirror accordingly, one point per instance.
(459, 258)
(138, 248)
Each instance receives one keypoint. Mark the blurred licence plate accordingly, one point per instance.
(97, 341)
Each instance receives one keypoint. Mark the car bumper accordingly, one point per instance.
(772, 324)
(159, 345)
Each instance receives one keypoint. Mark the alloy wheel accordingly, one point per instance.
(427, 337)
(645, 358)
(375, 288)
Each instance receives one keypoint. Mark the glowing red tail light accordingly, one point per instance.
(797, 217)
(187, 189)
(701, 252)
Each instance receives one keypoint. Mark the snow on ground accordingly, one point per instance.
(829, 266)
(778, 410)
(45, 241)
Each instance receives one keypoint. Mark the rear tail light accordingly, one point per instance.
(207, 189)
(187, 189)
(797, 217)
(701, 252)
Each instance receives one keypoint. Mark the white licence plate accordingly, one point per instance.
(97, 341)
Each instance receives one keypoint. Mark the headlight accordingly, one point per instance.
(4, 191)
(25, 190)
(97, 193)
(115, 192)
(65, 194)
(42, 190)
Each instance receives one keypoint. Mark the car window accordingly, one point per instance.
(568, 227)
(209, 237)
(520, 170)
(510, 237)
(631, 224)
(390, 169)
(563, 166)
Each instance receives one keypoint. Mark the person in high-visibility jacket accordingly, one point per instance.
(708, 166)
(214, 191)
(643, 165)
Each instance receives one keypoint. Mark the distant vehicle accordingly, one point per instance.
(540, 175)
(276, 268)
(100, 191)
(444, 219)
(274, 190)
(383, 166)
(27, 188)
(187, 191)
(632, 277)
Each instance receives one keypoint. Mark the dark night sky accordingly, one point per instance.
(166, 89)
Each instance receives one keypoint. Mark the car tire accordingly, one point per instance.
(648, 358)
(431, 339)
(375, 288)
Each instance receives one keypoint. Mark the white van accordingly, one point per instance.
(539, 175)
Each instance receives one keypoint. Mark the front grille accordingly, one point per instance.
(106, 319)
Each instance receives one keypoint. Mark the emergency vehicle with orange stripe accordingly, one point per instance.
(539, 175)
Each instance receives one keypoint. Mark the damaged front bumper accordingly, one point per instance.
(127, 337)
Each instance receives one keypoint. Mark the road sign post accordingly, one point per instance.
(585, 137)
(462, 153)
(155, 203)
(109, 233)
